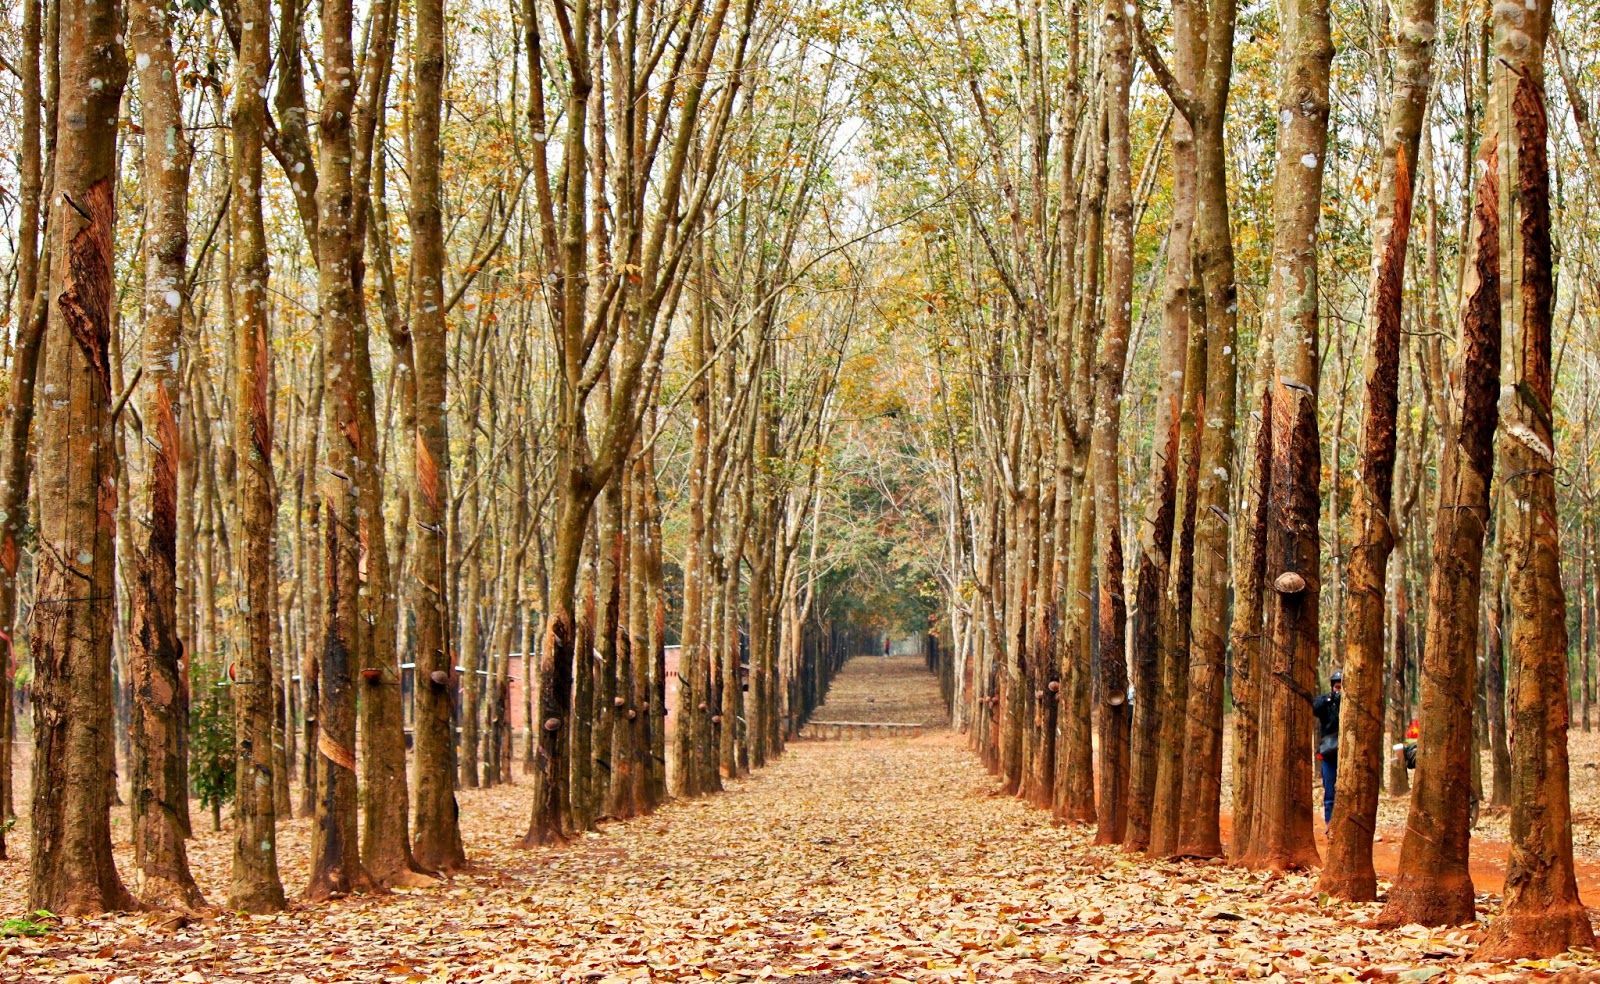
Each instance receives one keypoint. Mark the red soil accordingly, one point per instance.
(1487, 861)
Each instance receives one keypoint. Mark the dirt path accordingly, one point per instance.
(884, 688)
(845, 861)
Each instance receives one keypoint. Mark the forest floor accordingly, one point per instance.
(873, 860)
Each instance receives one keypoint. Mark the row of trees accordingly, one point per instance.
(1137, 550)
(367, 358)
(730, 324)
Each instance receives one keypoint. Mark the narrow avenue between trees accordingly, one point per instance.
(870, 860)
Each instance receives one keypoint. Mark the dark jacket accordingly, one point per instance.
(1326, 708)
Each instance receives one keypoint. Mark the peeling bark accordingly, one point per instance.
(1349, 873)
(161, 704)
(1433, 886)
(1542, 914)
(70, 866)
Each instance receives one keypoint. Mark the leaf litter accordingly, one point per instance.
(879, 860)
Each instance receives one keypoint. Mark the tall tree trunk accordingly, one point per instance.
(471, 654)
(692, 649)
(1113, 806)
(1349, 873)
(655, 603)
(14, 468)
(1281, 834)
(385, 841)
(1199, 832)
(70, 867)
(336, 867)
(1542, 914)
(1076, 790)
(612, 553)
(1151, 618)
(255, 884)
(1399, 783)
(1433, 886)
(1178, 589)
(159, 769)
(1494, 660)
(1249, 587)
(438, 844)
(310, 515)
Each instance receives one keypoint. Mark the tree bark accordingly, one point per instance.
(1349, 873)
(160, 707)
(1542, 914)
(1114, 805)
(1281, 833)
(437, 844)
(255, 883)
(336, 867)
(1199, 830)
(1177, 592)
(1151, 617)
(1433, 886)
(14, 469)
(70, 866)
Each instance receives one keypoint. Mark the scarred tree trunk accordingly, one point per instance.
(549, 821)
(1542, 914)
(1248, 583)
(1177, 593)
(1349, 873)
(1199, 832)
(336, 867)
(1114, 805)
(1281, 835)
(1166, 666)
(1433, 886)
(255, 884)
(70, 867)
(160, 701)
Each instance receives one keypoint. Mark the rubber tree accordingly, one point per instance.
(70, 869)
(1348, 872)
(1541, 915)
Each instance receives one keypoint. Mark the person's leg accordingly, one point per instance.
(1330, 771)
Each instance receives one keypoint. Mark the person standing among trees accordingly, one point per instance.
(1326, 708)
